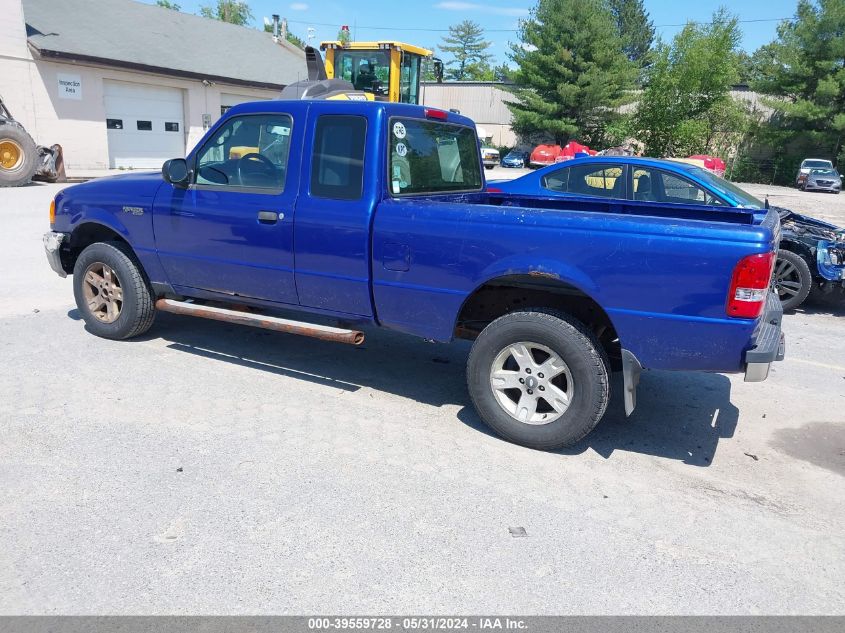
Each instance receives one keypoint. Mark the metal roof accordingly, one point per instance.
(146, 37)
(375, 45)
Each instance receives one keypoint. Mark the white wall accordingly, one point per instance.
(30, 89)
(483, 102)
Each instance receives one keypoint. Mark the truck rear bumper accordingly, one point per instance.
(53, 248)
(768, 344)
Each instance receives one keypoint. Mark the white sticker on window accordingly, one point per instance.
(399, 130)
(401, 149)
(396, 186)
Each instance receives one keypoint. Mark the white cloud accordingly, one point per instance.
(299, 6)
(472, 6)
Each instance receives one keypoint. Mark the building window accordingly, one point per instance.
(145, 126)
(171, 126)
(114, 124)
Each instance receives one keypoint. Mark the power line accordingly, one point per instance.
(428, 30)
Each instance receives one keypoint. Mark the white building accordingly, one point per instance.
(119, 83)
(482, 101)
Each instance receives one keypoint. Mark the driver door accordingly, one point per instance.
(231, 230)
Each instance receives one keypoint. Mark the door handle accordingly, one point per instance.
(270, 217)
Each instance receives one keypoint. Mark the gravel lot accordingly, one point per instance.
(208, 468)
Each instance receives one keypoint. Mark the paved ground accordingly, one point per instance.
(215, 469)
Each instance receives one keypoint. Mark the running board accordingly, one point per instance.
(324, 332)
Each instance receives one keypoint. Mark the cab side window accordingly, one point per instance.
(337, 163)
(247, 152)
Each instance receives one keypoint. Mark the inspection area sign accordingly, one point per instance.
(70, 86)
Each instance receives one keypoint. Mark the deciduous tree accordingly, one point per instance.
(232, 11)
(688, 86)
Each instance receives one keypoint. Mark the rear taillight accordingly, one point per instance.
(750, 286)
(493, 190)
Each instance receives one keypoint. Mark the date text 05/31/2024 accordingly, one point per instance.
(417, 624)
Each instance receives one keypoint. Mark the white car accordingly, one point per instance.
(810, 163)
(490, 157)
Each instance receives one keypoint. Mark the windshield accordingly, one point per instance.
(720, 185)
(428, 157)
(366, 70)
(817, 163)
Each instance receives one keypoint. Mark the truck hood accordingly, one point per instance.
(111, 193)
(137, 182)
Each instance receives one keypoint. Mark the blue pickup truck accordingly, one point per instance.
(377, 214)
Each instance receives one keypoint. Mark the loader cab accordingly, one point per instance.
(388, 70)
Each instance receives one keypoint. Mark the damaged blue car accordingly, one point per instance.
(811, 260)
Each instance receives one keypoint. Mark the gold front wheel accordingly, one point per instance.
(11, 154)
(103, 293)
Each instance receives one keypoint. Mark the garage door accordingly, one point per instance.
(145, 124)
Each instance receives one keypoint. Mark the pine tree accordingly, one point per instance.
(470, 59)
(635, 28)
(572, 72)
(804, 68)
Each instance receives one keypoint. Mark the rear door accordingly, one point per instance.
(335, 208)
(231, 230)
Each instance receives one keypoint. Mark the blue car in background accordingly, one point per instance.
(516, 159)
(811, 255)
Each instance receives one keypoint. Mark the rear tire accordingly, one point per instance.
(792, 279)
(18, 155)
(111, 292)
(517, 400)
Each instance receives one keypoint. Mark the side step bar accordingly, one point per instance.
(324, 332)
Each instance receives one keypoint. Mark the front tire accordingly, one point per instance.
(792, 279)
(18, 155)
(539, 378)
(111, 292)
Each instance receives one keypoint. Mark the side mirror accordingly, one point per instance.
(176, 172)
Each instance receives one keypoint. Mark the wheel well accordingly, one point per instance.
(800, 249)
(516, 292)
(83, 236)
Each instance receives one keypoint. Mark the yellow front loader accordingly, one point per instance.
(387, 70)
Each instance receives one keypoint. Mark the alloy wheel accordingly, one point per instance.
(531, 383)
(103, 293)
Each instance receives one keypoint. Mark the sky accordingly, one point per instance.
(424, 23)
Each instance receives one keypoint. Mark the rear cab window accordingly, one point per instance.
(430, 157)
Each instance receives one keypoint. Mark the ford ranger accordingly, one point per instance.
(377, 214)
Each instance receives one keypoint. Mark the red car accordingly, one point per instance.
(544, 155)
(712, 163)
